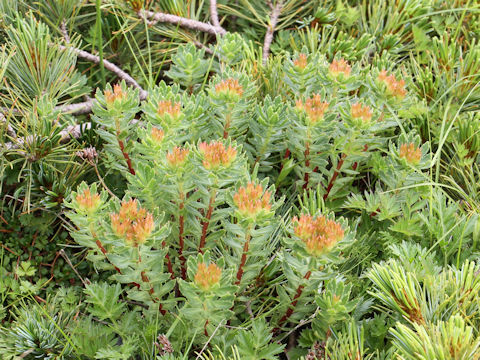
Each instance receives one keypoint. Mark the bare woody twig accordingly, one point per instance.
(157, 17)
(110, 67)
(78, 108)
(63, 30)
(274, 15)
(214, 13)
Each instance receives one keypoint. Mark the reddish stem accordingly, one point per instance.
(355, 164)
(206, 223)
(294, 302)
(227, 126)
(307, 164)
(169, 263)
(146, 280)
(286, 156)
(181, 244)
(243, 260)
(125, 155)
(205, 328)
(335, 175)
(104, 252)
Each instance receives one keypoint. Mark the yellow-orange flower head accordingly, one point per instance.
(361, 112)
(170, 109)
(157, 135)
(133, 223)
(251, 200)
(319, 234)
(230, 89)
(177, 157)
(301, 62)
(117, 94)
(339, 68)
(207, 276)
(394, 87)
(410, 153)
(216, 154)
(87, 201)
(314, 108)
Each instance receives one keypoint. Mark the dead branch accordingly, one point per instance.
(109, 66)
(274, 15)
(159, 17)
(214, 13)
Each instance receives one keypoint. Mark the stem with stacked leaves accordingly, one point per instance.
(243, 260)
(294, 302)
(334, 176)
(206, 222)
(181, 227)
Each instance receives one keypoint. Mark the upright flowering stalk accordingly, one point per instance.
(134, 225)
(252, 202)
(314, 109)
(318, 236)
(215, 155)
(116, 101)
(229, 91)
(394, 87)
(176, 159)
(411, 153)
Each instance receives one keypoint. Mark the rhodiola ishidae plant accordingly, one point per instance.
(239, 180)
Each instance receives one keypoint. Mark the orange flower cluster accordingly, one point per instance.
(117, 94)
(339, 67)
(301, 61)
(394, 87)
(318, 233)
(410, 153)
(251, 200)
(87, 201)
(215, 154)
(157, 135)
(207, 276)
(314, 107)
(177, 156)
(133, 223)
(361, 112)
(166, 107)
(230, 88)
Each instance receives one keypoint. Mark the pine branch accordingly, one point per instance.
(10, 130)
(180, 21)
(71, 131)
(275, 14)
